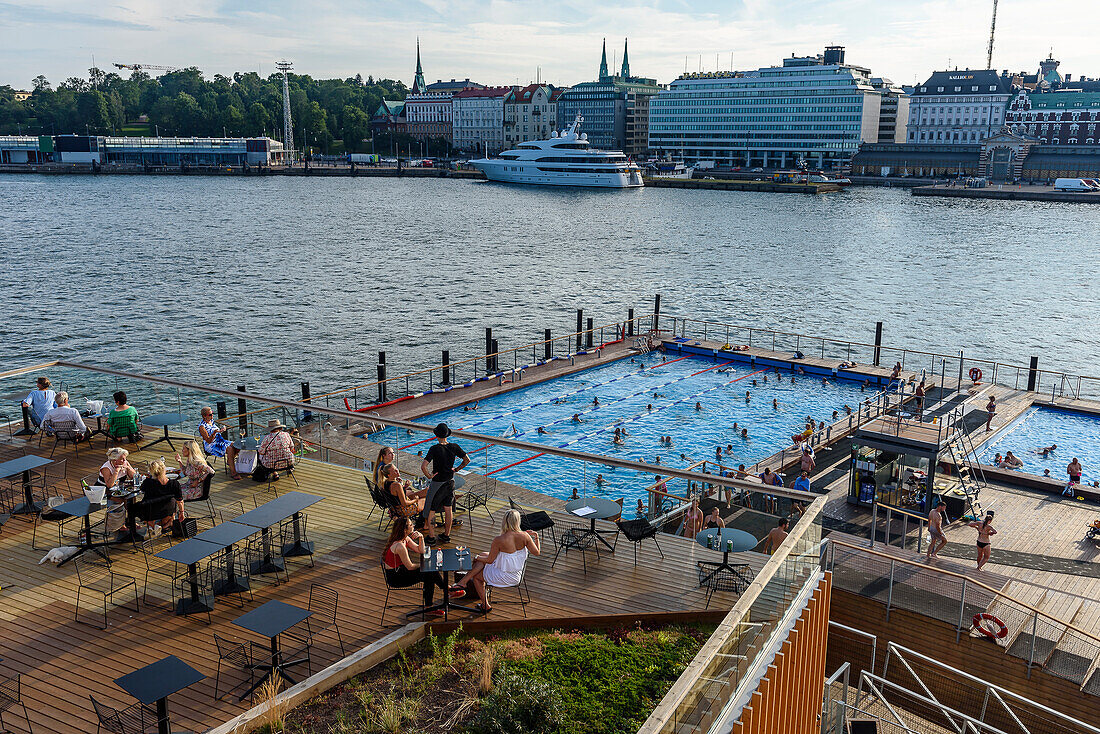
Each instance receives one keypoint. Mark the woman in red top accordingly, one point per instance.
(401, 570)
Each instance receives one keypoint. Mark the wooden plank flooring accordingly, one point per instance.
(63, 661)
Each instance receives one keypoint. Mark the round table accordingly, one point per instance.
(163, 420)
(741, 540)
(246, 444)
(604, 508)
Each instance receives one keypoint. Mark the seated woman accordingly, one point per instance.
(116, 467)
(214, 441)
(401, 570)
(385, 458)
(193, 471)
(163, 500)
(409, 503)
(503, 564)
(40, 401)
(122, 422)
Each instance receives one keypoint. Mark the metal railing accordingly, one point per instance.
(1036, 637)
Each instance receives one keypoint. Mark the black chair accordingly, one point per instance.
(576, 537)
(169, 570)
(230, 510)
(287, 539)
(11, 696)
(715, 578)
(472, 499)
(638, 530)
(285, 466)
(260, 546)
(242, 573)
(324, 602)
(96, 579)
(239, 656)
(211, 459)
(203, 579)
(386, 604)
(536, 520)
(379, 504)
(521, 590)
(50, 515)
(134, 719)
(65, 432)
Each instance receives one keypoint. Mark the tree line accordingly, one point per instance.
(330, 115)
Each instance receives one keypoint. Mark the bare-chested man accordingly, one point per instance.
(935, 529)
(776, 536)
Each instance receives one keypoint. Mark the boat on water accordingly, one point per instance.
(672, 169)
(564, 159)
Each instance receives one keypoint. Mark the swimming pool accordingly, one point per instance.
(649, 397)
(1076, 434)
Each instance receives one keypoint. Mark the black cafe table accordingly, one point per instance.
(445, 560)
(189, 552)
(163, 420)
(82, 507)
(271, 620)
(226, 536)
(272, 513)
(727, 540)
(154, 683)
(24, 465)
(593, 509)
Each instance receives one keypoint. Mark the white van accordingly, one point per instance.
(1071, 184)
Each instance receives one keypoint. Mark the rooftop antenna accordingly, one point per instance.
(992, 31)
(288, 129)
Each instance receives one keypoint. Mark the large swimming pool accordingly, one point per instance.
(648, 397)
(1076, 435)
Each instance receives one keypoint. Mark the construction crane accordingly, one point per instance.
(142, 67)
(992, 31)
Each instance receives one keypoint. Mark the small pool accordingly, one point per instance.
(650, 397)
(1076, 434)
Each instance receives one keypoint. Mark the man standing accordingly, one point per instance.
(991, 410)
(919, 394)
(935, 530)
(776, 536)
(438, 466)
(63, 417)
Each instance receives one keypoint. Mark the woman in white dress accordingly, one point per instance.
(503, 564)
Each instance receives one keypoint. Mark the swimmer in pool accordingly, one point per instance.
(649, 407)
(718, 454)
(698, 406)
(657, 460)
(754, 383)
(765, 379)
(729, 448)
(577, 418)
(792, 379)
(735, 425)
(747, 396)
(1012, 461)
(745, 434)
(595, 401)
(574, 497)
(824, 381)
(599, 480)
(835, 415)
(1046, 450)
(775, 403)
(541, 430)
(847, 409)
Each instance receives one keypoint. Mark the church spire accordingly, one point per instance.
(626, 63)
(603, 61)
(418, 80)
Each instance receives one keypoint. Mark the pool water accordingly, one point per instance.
(649, 397)
(1076, 434)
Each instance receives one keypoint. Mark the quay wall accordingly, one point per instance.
(1010, 193)
(312, 171)
(737, 185)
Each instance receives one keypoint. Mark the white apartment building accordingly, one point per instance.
(530, 113)
(958, 107)
(477, 119)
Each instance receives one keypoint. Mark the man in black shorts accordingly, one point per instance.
(438, 466)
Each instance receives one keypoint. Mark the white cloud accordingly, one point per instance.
(503, 41)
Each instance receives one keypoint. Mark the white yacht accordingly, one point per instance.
(565, 159)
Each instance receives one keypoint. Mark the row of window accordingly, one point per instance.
(811, 119)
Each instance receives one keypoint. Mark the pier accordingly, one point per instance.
(1009, 192)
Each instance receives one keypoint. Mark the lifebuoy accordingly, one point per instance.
(997, 630)
(975, 374)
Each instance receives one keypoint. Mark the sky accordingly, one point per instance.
(508, 41)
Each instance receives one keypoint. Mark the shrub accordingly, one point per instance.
(518, 705)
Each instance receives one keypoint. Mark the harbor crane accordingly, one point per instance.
(142, 67)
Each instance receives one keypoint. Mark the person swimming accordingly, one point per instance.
(698, 406)
(735, 425)
(541, 430)
(595, 401)
(1046, 450)
(824, 381)
(747, 396)
(765, 378)
(577, 418)
(600, 480)
(745, 433)
(847, 409)
(649, 407)
(754, 383)
(775, 403)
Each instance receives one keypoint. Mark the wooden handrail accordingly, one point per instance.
(990, 589)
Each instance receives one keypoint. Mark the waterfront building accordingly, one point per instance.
(428, 107)
(816, 109)
(615, 108)
(1063, 117)
(135, 152)
(958, 107)
(893, 117)
(389, 117)
(530, 113)
(478, 119)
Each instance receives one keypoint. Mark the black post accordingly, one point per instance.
(446, 367)
(381, 377)
(656, 310)
(1032, 374)
(496, 361)
(242, 419)
(548, 347)
(878, 341)
(307, 415)
(580, 327)
(588, 336)
(488, 349)
(28, 429)
(630, 322)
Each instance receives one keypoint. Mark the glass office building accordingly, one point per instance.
(816, 109)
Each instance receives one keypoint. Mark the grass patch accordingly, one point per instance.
(536, 681)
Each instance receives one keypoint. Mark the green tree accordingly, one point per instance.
(356, 127)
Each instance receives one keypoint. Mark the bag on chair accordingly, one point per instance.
(246, 462)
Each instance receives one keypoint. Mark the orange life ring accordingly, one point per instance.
(975, 374)
(998, 631)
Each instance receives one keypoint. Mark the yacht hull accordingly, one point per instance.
(521, 172)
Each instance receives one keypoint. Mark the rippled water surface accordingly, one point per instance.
(275, 280)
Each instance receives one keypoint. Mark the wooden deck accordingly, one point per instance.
(63, 661)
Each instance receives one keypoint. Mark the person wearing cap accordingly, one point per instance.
(277, 448)
(438, 466)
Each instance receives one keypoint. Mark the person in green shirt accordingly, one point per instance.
(122, 422)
